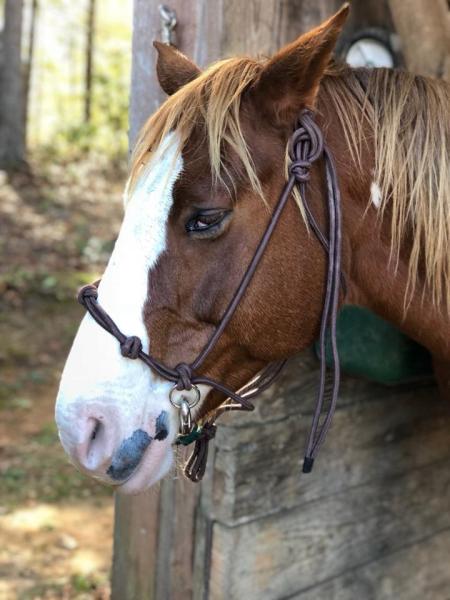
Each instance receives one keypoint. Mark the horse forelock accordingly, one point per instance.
(211, 102)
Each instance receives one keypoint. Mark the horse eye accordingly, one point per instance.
(208, 222)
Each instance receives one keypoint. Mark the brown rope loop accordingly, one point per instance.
(131, 347)
(184, 372)
(306, 141)
(196, 465)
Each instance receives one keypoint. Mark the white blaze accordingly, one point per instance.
(96, 376)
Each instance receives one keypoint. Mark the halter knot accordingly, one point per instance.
(131, 347)
(300, 170)
(87, 291)
(305, 146)
(184, 372)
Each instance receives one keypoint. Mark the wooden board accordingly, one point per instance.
(278, 555)
(135, 546)
(415, 572)
(383, 433)
(380, 487)
(150, 529)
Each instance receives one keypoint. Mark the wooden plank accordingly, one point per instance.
(378, 433)
(417, 572)
(182, 554)
(277, 556)
(252, 27)
(146, 94)
(133, 572)
(231, 27)
(153, 542)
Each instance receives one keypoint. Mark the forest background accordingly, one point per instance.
(64, 94)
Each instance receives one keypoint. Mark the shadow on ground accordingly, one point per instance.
(58, 228)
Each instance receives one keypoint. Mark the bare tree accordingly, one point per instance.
(12, 131)
(29, 60)
(90, 31)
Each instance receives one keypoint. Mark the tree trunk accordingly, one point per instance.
(90, 30)
(29, 63)
(12, 130)
(424, 29)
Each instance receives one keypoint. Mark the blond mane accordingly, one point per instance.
(407, 114)
(409, 118)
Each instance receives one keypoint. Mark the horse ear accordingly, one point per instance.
(173, 68)
(291, 78)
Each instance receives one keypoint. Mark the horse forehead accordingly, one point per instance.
(157, 177)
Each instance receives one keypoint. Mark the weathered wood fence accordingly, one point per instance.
(373, 519)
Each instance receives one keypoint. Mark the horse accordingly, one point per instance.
(205, 176)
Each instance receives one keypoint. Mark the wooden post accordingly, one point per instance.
(424, 29)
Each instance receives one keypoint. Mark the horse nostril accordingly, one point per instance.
(96, 448)
(95, 431)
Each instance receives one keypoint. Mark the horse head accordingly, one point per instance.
(206, 173)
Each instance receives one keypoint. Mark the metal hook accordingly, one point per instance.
(185, 418)
(168, 23)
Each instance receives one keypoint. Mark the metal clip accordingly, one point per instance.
(184, 400)
(168, 23)
(185, 418)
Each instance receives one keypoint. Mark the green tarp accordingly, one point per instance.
(372, 348)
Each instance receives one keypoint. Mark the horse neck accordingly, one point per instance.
(378, 283)
(373, 276)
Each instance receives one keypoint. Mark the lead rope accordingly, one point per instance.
(306, 147)
(331, 302)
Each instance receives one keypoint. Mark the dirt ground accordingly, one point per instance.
(57, 228)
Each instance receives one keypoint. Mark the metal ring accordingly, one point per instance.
(191, 397)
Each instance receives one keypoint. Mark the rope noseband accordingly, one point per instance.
(306, 146)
